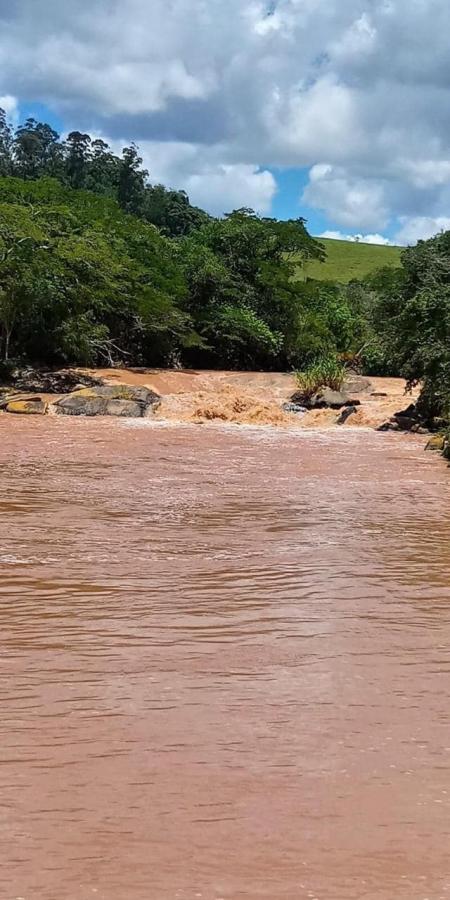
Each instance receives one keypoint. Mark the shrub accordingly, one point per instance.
(326, 372)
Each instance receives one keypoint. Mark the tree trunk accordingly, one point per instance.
(7, 343)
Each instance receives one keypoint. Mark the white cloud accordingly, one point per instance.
(378, 239)
(426, 173)
(254, 84)
(348, 201)
(420, 228)
(211, 184)
(226, 187)
(10, 105)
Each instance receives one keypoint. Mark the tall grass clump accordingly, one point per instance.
(324, 372)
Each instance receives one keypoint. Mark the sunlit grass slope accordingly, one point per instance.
(347, 260)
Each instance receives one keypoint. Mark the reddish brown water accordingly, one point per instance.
(225, 664)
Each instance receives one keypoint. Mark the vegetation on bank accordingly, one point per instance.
(325, 372)
(98, 266)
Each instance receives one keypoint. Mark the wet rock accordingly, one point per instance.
(76, 405)
(125, 408)
(345, 414)
(356, 384)
(63, 381)
(109, 400)
(405, 423)
(33, 407)
(389, 426)
(130, 392)
(323, 399)
(298, 398)
(291, 407)
(326, 398)
(409, 412)
(9, 396)
(407, 418)
(437, 442)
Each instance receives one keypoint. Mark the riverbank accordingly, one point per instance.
(246, 398)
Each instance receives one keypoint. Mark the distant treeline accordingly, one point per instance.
(99, 266)
(35, 150)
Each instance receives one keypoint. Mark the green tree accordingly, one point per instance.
(77, 150)
(247, 262)
(412, 317)
(22, 241)
(132, 178)
(102, 175)
(171, 211)
(37, 150)
(83, 282)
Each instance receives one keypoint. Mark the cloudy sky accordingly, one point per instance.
(333, 109)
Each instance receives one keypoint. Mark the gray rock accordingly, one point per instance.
(76, 405)
(109, 400)
(327, 398)
(128, 408)
(389, 426)
(127, 392)
(356, 384)
(345, 414)
(405, 423)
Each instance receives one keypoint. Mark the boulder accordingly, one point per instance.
(123, 408)
(127, 392)
(356, 384)
(75, 405)
(409, 412)
(437, 442)
(405, 423)
(9, 396)
(131, 392)
(34, 407)
(345, 414)
(389, 426)
(326, 398)
(109, 400)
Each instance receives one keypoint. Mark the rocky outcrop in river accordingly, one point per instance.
(109, 400)
(120, 400)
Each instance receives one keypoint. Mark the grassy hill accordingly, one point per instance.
(347, 260)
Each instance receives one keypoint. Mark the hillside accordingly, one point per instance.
(347, 260)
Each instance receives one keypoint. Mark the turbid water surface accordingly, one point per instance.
(225, 663)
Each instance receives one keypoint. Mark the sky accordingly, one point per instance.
(335, 110)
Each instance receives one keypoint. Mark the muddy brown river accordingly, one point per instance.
(225, 663)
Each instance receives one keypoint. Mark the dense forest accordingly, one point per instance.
(100, 266)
